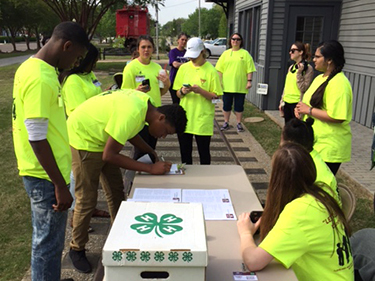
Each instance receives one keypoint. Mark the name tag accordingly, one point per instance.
(139, 78)
(215, 101)
(96, 83)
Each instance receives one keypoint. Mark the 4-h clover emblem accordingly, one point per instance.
(145, 256)
(131, 256)
(187, 256)
(117, 256)
(149, 222)
(159, 256)
(173, 256)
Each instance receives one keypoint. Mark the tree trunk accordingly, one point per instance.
(38, 46)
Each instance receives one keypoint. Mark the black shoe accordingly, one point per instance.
(80, 261)
(68, 279)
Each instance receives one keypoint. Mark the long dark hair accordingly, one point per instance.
(146, 38)
(330, 50)
(293, 175)
(89, 60)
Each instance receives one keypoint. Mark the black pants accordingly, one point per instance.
(175, 98)
(289, 111)
(186, 148)
(334, 167)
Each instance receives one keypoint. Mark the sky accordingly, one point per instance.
(174, 9)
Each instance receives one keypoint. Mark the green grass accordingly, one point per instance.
(15, 221)
(267, 133)
(16, 54)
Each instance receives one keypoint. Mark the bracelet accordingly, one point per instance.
(310, 110)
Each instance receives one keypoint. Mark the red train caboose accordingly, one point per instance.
(131, 22)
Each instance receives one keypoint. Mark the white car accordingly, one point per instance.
(216, 48)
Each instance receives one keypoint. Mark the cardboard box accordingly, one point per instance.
(156, 241)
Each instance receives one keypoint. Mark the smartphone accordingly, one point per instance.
(146, 82)
(186, 85)
(255, 216)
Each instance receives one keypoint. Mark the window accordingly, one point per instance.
(310, 30)
(249, 27)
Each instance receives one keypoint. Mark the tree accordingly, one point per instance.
(173, 28)
(89, 12)
(210, 20)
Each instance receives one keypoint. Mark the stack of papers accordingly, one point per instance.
(217, 204)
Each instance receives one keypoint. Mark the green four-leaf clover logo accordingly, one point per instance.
(173, 256)
(149, 222)
(117, 256)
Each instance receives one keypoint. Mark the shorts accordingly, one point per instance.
(239, 100)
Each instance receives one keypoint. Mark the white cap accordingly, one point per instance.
(194, 48)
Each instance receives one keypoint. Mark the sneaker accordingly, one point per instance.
(225, 126)
(80, 261)
(68, 279)
(239, 128)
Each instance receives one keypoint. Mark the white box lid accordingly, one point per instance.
(157, 234)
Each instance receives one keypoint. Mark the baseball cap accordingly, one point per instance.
(194, 48)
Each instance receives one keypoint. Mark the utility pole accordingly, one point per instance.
(199, 18)
(157, 30)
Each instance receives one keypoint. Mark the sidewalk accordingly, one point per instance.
(358, 169)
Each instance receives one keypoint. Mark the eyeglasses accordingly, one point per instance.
(236, 39)
(293, 50)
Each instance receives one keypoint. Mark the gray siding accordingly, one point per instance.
(258, 77)
(357, 35)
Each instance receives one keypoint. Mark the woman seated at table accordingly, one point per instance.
(302, 226)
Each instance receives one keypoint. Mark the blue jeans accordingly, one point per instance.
(48, 230)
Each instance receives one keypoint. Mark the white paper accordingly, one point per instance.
(156, 195)
(174, 170)
(145, 159)
(217, 204)
(244, 276)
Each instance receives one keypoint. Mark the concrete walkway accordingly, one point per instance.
(358, 169)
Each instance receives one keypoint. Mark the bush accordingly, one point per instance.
(18, 39)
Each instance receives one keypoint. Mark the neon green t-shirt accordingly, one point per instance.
(77, 88)
(200, 112)
(324, 174)
(333, 140)
(120, 114)
(235, 65)
(303, 238)
(291, 92)
(36, 94)
(135, 72)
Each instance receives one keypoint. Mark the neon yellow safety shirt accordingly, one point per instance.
(333, 140)
(235, 65)
(36, 94)
(303, 238)
(77, 88)
(200, 111)
(135, 72)
(324, 174)
(291, 92)
(120, 114)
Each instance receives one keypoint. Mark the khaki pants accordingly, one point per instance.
(88, 168)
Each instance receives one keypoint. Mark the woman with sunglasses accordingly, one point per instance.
(298, 79)
(176, 59)
(329, 101)
(302, 225)
(235, 67)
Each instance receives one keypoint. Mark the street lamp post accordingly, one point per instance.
(199, 18)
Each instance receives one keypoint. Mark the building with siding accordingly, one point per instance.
(270, 27)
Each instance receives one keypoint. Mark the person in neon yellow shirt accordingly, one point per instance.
(329, 101)
(298, 79)
(98, 130)
(302, 133)
(80, 83)
(235, 67)
(198, 86)
(302, 225)
(41, 144)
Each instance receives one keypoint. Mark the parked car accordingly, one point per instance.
(216, 48)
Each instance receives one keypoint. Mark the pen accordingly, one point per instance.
(162, 158)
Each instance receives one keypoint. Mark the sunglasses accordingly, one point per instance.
(236, 39)
(293, 50)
